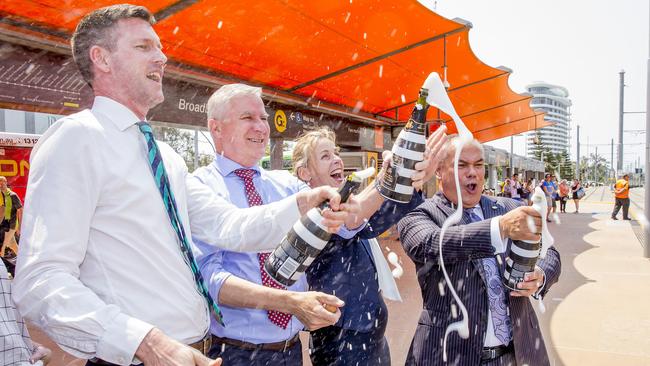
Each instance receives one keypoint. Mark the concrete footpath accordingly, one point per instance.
(597, 314)
(599, 311)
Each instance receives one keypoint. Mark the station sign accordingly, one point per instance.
(35, 79)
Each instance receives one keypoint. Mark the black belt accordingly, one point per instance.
(491, 353)
(277, 346)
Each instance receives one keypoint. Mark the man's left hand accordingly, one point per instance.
(427, 168)
(532, 282)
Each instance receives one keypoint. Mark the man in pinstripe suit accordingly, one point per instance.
(503, 326)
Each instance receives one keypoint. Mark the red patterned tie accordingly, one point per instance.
(254, 199)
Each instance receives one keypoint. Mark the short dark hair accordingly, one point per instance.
(95, 29)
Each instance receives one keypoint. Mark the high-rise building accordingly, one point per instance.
(554, 100)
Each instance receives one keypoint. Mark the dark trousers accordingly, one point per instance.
(233, 355)
(563, 204)
(341, 347)
(622, 202)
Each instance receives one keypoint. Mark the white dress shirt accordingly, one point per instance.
(100, 264)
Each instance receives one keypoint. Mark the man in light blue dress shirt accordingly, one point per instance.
(254, 332)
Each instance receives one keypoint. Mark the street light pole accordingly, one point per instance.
(619, 165)
(612, 161)
(595, 166)
(512, 168)
(646, 225)
(578, 153)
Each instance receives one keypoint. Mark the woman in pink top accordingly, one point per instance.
(564, 195)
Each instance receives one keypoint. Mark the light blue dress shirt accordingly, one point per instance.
(216, 265)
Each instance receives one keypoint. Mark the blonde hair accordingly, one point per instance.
(306, 144)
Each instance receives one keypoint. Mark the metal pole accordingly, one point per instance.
(611, 165)
(646, 225)
(196, 148)
(512, 169)
(578, 153)
(619, 165)
(595, 168)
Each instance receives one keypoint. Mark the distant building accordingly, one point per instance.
(553, 99)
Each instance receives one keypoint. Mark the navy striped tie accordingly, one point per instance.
(501, 322)
(162, 182)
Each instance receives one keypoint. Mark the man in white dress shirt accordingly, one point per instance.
(100, 267)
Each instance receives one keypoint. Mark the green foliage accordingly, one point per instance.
(183, 143)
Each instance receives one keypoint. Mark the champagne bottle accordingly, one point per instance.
(521, 259)
(524, 254)
(407, 151)
(307, 237)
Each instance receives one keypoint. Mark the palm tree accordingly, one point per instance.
(598, 167)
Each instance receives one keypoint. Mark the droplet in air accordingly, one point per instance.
(357, 107)
(403, 98)
(381, 70)
(220, 24)
(175, 30)
(347, 17)
(355, 56)
(365, 35)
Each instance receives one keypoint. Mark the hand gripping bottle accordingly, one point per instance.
(523, 254)
(307, 238)
(408, 150)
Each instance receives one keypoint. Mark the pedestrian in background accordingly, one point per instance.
(577, 193)
(12, 211)
(622, 196)
(564, 195)
(515, 188)
(549, 189)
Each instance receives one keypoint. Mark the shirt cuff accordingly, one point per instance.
(346, 233)
(495, 236)
(121, 340)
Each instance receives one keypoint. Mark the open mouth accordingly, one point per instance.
(155, 76)
(471, 188)
(337, 175)
(256, 141)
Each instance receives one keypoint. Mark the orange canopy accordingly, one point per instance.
(365, 59)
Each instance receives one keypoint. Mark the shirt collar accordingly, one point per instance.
(121, 116)
(226, 166)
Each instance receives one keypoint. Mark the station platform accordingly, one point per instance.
(597, 314)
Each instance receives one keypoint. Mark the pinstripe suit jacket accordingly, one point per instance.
(464, 246)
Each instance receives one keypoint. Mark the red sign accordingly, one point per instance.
(15, 150)
(14, 164)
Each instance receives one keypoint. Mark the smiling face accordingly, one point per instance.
(243, 133)
(471, 175)
(131, 72)
(325, 166)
